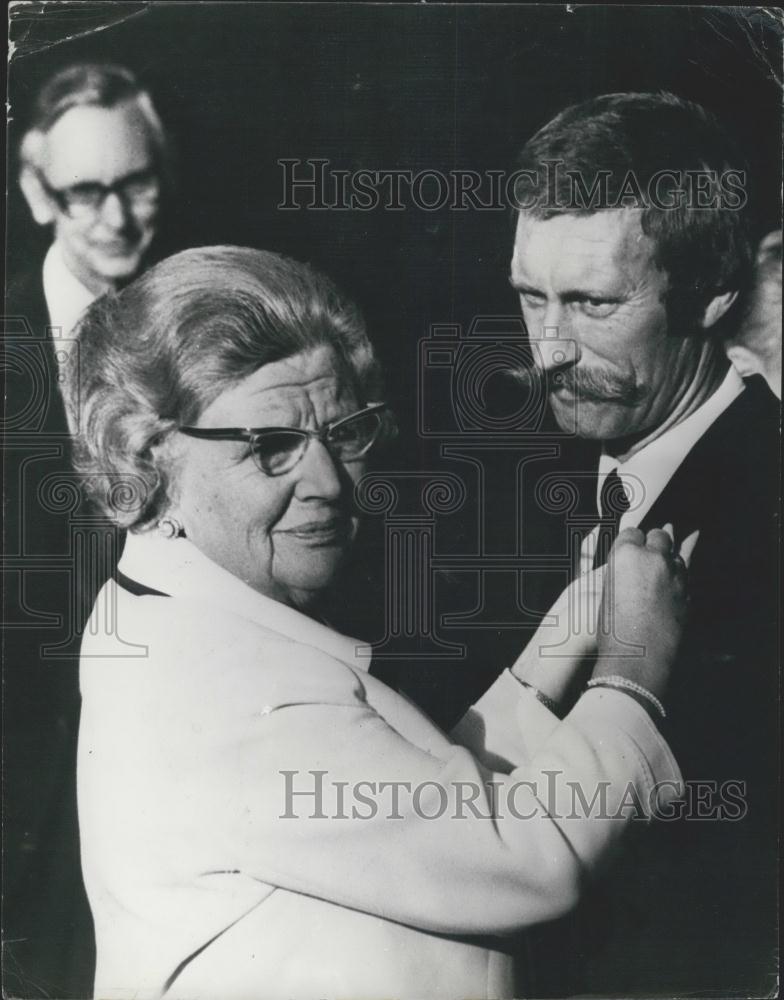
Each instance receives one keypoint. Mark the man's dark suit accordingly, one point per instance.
(691, 908)
(47, 927)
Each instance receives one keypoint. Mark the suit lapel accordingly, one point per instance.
(691, 493)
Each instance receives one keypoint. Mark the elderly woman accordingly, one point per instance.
(259, 816)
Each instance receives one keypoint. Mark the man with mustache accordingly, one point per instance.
(632, 258)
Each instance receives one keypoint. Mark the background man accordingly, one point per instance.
(756, 346)
(627, 299)
(93, 166)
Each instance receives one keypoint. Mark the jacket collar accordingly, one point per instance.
(177, 568)
(649, 470)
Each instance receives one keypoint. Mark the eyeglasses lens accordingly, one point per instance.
(140, 191)
(353, 438)
(278, 451)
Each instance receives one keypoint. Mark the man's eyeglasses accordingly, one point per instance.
(137, 190)
(276, 450)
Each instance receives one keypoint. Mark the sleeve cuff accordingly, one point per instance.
(600, 709)
(507, 723)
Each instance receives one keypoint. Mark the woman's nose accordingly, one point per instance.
(319, 473)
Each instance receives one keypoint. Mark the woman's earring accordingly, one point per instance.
(170, 527)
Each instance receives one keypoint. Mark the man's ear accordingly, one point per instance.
(744, 360)
(36, 197)
(716, 308)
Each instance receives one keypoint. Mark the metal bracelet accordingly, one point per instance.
(624, 684)
(549, 703)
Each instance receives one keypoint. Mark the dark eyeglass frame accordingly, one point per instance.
(67, 198)
(252, 435)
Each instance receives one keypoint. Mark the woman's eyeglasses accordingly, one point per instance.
(276, 450)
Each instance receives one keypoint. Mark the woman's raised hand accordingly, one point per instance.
(566, 638)
(644, 607)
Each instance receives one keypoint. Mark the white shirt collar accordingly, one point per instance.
(646, 473)
(66, 297)
(176, 567)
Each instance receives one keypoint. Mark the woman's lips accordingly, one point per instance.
(324, 531)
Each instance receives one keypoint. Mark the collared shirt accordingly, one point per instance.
(66, 297)
(647, 472)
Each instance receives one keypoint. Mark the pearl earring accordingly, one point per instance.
(170, 527)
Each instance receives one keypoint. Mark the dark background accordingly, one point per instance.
(407, 86)
(414, 86)
(390, 86)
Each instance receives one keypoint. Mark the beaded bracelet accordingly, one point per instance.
(624, 684)
(545, 699)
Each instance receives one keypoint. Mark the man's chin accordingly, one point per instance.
(119, 257)
(118, 268)
(121, 263)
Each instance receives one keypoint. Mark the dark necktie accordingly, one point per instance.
(613, 504)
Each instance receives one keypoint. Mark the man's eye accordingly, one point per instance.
(141, 185)
(597, 307)
(532, 300)
(84, 193)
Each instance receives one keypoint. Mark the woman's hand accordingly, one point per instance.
(566, 638)
(644, 607)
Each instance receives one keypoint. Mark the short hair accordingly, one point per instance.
(103, 85)
(153, 356)
(627, 144)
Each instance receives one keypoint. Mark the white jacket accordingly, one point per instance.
(200, 712)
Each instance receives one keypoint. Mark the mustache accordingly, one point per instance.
(589, 384)
(595, 384)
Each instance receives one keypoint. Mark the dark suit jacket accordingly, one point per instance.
(690, 909)
(47, 927)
